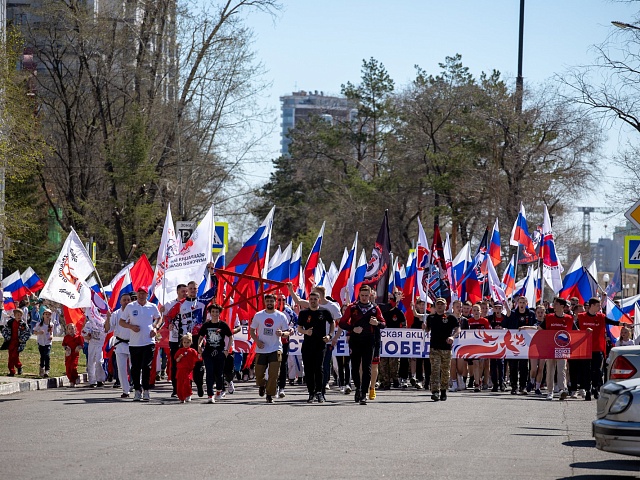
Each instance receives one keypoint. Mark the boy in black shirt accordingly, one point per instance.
(443, 328)
(213, 344)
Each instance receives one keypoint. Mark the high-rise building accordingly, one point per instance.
(299, 106)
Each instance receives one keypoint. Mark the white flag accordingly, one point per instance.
(67, 283)
(168, 249)
(495, 285)
(191, 261)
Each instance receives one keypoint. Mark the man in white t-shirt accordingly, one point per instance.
(143, 319)
(121, 344)
(266, 329)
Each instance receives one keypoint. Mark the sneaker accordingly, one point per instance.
(529, 386)
(341, 389)
(495, 388)
(514, 391)
(220, 395)
(573, 394)
(372, 394)
(245, 378)
(124, 395)
(41, 374)
(261, 390)
(93, 385)
(174, 395)
(320, 398)
(538, 392)
(412, 380)
(291, 382)
(476, 388)
(347, 390)
(182, 401)
(443, 395)
(485, 387)
(461, 385)
(269, 399)
(550, 396)
(19, 370)
(158, 377)
(587, 396)
(596, 393)
(11, 374)
(188, 399)
(311, 397)
(137, 396)
(281, 394)
(435, 397)
(101, 384)
(581, 392)
(418, 386)
(563, 395)
(211, 400)
(454, 386)
(356, 397)
(363, 400)
(46, 374)
(503, 387)
(231, 388)
(403, 384)
(116, 385)
(523, 391)
(145, 396)
(78, 381)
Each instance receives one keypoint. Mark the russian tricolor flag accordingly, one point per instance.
(279, 270)
(358, 279)
(578, 282)
(256, 249)
(551, 266)
(31, 280)
(295, 266)
(13, 284)
(494, 245)
(459, 266)
(341, 284)
(123, 285)
(312, 262)
(469, 287)
(509, 277)
(615, 313)
(520, 235)
(8, 302)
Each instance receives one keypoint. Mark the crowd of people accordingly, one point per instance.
(188, 341)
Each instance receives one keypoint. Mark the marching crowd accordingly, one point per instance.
(199, 347)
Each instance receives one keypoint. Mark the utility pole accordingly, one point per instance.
(519, 79)
(3, 160)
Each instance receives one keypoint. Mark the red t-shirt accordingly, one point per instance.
(478, 323)
(189, 360)
(596, 323)
(73, 341)
(553, 322)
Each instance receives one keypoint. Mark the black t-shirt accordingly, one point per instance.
(517, 319)
(394, 318)
(495, 321)
(319, 320)
(441, 328)
(214, 333)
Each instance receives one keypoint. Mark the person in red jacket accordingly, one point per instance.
(591, 372)
(72, 343)
(186, 358)
(360, 319)
(477, 322)
(558, 320)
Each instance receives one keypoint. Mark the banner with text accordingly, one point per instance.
(472, 344)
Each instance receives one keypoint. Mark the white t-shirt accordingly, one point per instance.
(44, 336)
(265, 325)
(143, 316)
(333, 309)
(96, 331)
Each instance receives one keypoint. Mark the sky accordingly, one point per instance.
(320, 44)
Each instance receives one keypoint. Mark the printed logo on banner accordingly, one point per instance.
(562, 338)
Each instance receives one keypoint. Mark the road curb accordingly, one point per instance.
(26, 385)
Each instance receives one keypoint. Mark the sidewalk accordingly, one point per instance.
(9, 385)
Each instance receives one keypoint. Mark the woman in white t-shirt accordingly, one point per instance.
(44, 332)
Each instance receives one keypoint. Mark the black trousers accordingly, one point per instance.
(313, 359)
(496, 367)
(575, 368)
(214, 365)
(45, 356)
(282, 375)
(141, 360)
(361, 354)
(344, 371)
(591, 372)
(403, 372)
(518, 368)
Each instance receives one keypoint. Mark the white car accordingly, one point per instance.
(617, 428)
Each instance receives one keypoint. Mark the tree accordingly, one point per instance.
(144, 103)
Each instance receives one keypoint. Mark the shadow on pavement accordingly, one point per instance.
(580, 443)
(537, 435)
(610, 465)
(598, 476)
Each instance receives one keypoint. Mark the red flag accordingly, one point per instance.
(75, 316)
(141, 273)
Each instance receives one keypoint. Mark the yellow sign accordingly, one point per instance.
(221, 237)
(632, 251)
(633, 214)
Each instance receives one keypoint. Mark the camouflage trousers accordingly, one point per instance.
(440, 369)
(388, 370)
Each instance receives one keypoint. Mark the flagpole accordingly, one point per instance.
(515, 273)
(95, 271)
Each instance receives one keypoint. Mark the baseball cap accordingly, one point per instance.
(441, 300)
(143, 288)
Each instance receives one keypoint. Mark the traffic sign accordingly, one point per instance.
(633, 214)
(221, 237)
(632, 251)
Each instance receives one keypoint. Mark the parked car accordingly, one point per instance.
(617, 427)
(623, 363)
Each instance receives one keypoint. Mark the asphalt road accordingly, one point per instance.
(81, 433)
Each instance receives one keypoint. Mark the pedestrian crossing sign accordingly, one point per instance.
(632, 251)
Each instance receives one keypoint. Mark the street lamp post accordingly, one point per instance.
(519, 79)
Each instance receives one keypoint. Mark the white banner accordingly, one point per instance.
(67, 281)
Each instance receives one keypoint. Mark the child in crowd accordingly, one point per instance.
(94, 334)
(186, 358)
(44, 332)
(16, 333)
(625, 338)
(72, 343)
